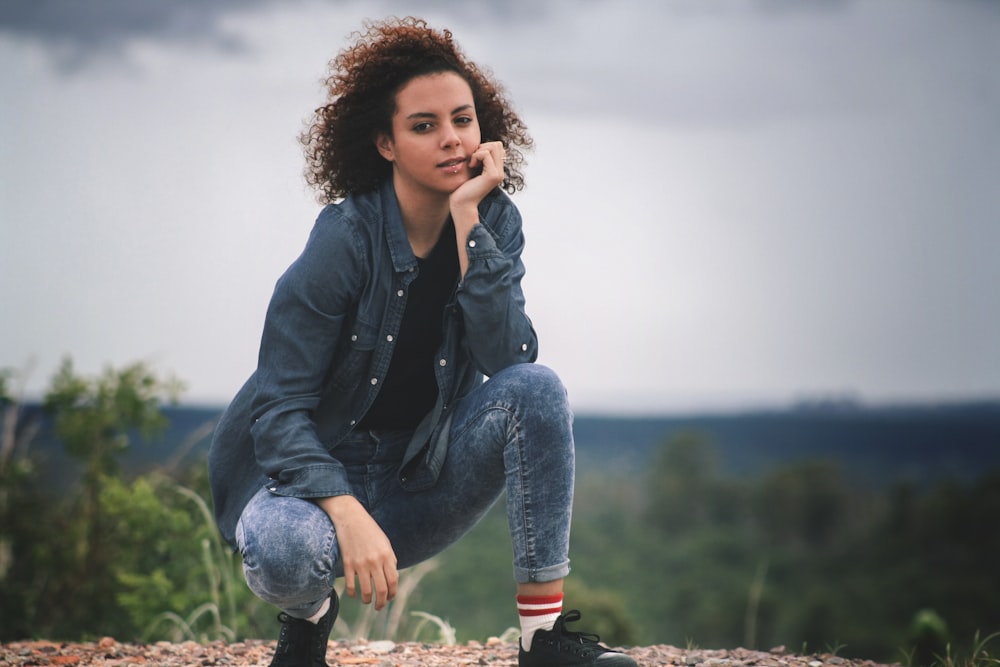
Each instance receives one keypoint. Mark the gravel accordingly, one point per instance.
(108, 652)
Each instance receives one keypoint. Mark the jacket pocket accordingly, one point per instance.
(353, 355)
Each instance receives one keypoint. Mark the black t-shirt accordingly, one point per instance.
(410, 388)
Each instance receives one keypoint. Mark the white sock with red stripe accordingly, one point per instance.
(537, 612)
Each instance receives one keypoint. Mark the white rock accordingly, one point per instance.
(383, 646)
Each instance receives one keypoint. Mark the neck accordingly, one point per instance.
(424, 216)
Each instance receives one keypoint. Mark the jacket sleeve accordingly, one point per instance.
(498, 331)
(304, 321)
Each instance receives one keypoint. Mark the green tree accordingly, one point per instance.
(685, 490)
(15, 436)
(606, 611)
(97, 418)
(802, 505)
(22, 514)
(183, 582)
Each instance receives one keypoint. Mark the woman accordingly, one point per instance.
(366, 441)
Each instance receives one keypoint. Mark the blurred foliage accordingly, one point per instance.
(135, 560)
(682, 555)
(796, 557)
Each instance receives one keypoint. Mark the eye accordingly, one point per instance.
(421, 127)
(463, 120)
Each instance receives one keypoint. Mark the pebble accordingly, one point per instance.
(108, 652)
(382, 646)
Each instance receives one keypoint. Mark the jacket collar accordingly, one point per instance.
(400, 250)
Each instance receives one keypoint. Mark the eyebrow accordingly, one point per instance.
(428, 114)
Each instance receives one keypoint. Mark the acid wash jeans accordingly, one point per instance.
(513, 433)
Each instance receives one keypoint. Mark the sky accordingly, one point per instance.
(731, 203)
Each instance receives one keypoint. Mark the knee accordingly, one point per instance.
(539, 389)
(547, 386)
(288, 562)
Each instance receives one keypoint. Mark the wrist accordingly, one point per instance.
(464, 220)
(464, 212)
(338, 507)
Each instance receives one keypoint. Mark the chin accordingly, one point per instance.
(456, 182)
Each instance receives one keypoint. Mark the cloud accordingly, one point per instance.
(690, 62)
(786, 198)
(723, 62)
(97, 25)
(77, 34)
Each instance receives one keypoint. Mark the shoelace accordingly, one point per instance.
(290, 624)
(572, 616)
(284, 641)
(319, 646)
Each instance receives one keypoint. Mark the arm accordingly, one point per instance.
(464, 202)
(499, 332)
(364, 549)
(305, 319)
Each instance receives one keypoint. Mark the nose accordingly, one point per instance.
(449, 137)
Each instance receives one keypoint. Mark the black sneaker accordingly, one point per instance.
(303, 644)
(560, 647)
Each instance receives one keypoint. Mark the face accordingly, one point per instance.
(434, 132)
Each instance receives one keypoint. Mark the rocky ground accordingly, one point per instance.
(107, 653)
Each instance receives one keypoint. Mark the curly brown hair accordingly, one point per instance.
(341, 157)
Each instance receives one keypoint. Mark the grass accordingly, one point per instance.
(978, 657)
(369, 624)
(217, 564)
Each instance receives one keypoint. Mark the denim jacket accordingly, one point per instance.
(328, 339)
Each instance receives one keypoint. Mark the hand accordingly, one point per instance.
(490, 156)
(364, 550)
(464, 201)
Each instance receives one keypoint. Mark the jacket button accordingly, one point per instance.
(389, 338)
(374, 381)
(443, 362)
(399, 292)
(472, 244)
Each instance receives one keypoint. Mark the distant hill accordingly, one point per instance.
(873, 446)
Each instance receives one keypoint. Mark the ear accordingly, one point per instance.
(385, 146)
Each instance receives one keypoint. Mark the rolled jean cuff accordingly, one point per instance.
(541, 575)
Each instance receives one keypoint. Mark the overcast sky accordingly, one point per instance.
(731, 203)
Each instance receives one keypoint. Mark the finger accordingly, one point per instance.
(387, 584)
(496, 149)
(483, 157)
(493, 165)
(381, 592)
(393, 580)
(366, 589)
(349, 581)
(493, 149)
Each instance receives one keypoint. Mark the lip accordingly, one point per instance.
(454, 165)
